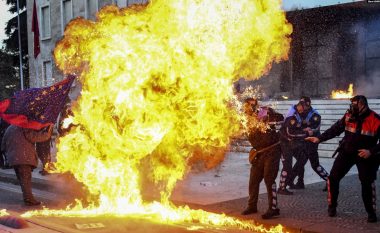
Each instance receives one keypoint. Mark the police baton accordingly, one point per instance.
(338, 148)
(335, 152)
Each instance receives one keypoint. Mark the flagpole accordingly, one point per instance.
(36, 83)
(19, 45)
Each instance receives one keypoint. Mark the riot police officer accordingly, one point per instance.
(264, 157)
(292, 137)
(310, 122)
(361, 127)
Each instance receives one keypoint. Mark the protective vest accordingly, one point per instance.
(293, 112)
(310, 114)
(369, 126)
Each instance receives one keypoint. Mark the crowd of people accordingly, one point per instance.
(298, 138)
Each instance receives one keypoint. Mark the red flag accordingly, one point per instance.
(36, 31)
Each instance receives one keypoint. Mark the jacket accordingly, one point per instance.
(362, 132)
(18, 145)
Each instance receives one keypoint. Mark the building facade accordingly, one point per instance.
(53, 15)
(332, 46)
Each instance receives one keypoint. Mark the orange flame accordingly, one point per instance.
(156, 83)
(339, 94)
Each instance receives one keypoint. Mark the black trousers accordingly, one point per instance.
(289, 149)
(24, 176)
(264, 167)
(367, 169)
(308, 152)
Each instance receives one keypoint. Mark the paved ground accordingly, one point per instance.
(224, 189)
(306, 210)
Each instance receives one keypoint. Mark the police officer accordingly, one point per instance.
(311, 122)
(360, 147)
(292, 137)
(264, 157)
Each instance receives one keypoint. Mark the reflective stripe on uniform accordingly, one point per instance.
(368, 133)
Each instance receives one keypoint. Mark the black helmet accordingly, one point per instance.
(360, 98)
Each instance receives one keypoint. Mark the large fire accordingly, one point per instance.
(339, 94)
(156, 82)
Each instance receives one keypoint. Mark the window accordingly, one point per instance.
(91, 8)
(125, 3)
(45, 22)
(130, 2)
(121, 3)
(66, 13)
(47, 79)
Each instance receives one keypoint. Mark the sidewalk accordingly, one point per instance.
(52, 187)
(225, 189)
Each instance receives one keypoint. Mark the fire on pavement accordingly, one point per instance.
(156, 82)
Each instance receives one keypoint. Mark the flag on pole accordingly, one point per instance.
(36, 108)
(36, 31)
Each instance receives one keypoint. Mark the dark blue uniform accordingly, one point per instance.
(292, 137)
(308, 150)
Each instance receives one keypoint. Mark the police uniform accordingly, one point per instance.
(361, 132)
(312, 120)
(265, 165)
(292, 136)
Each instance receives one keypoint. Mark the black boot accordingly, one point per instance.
(325, 188)
(299, 185)
(271, 213)
(331, 211)
(292, 186)
(372, 217)
(249, 210)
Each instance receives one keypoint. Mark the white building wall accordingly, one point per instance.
(43, 71)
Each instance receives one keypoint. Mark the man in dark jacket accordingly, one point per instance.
(360, 147)
(264, 157)
(18, 145)
(292, 138)
(310, 121)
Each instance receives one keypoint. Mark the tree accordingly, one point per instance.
(11, 43)
(8, 76)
